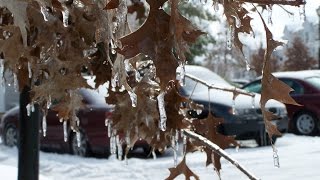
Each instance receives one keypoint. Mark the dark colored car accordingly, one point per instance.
(242, 117)
(303, 119)
(94, 134)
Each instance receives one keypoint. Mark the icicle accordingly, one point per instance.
(269, 14)
(113, 142)
(32, 107)
(109, 128)
(78, 134)
(158, 136)
(253, 102)
(15, 82)
(114, 82)
(175, 156)
(233, 106)
(237, 148)
(137, 130)
(154, 155)
(247, 65)
(128, 140)
(29, 70)
(230, 37)
(113, 47)
(28, 107)
(162, 111)
(119, 147)
(177, 139)
(133, 98)
(44, 125)
(49, 102)
(276, 158)
(216, 5)
(184, 144)
(65, 16)
(199, 111)
(182, 73)
(45, 12)
(302, 12)
(1, 71)
(65, 131)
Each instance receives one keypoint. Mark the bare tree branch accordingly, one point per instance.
(211, 86)
(279, 2)
(219, 151)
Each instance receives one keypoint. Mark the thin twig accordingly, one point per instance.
(272, 2)
(233, 90)
(219, 151)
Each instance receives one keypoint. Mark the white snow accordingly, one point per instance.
(299, 159)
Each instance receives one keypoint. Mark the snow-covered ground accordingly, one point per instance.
(299, 159)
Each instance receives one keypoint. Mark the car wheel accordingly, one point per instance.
(83, 149)
(305, 123)
(11, 136)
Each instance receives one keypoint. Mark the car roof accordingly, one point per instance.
(303, 74)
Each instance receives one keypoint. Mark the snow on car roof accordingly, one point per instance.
(296, 74)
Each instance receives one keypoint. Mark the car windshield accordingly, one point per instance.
(315, 81)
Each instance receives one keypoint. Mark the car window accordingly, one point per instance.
(298, 88)
(253, 87)
(315, 81)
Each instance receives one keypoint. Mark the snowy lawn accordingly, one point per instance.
(299, 159)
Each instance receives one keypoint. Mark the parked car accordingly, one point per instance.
(246, 122)
(94, 133)
(303, 120)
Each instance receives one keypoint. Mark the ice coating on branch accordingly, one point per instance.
(44, 126)
(154, 155)
(237, 21)
(133, 98)
(29, 70)
(65, 131)
(162, 112)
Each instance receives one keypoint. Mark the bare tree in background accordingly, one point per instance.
(298, 57)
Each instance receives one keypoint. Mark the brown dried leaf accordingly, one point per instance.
(182, 168)
(112, 4)
(272, 88)
(209, 128)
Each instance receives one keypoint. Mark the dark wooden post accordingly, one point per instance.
(28, 162)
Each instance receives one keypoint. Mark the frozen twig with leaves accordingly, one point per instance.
(204, 141)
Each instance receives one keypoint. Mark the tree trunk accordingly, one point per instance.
(28, 162)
